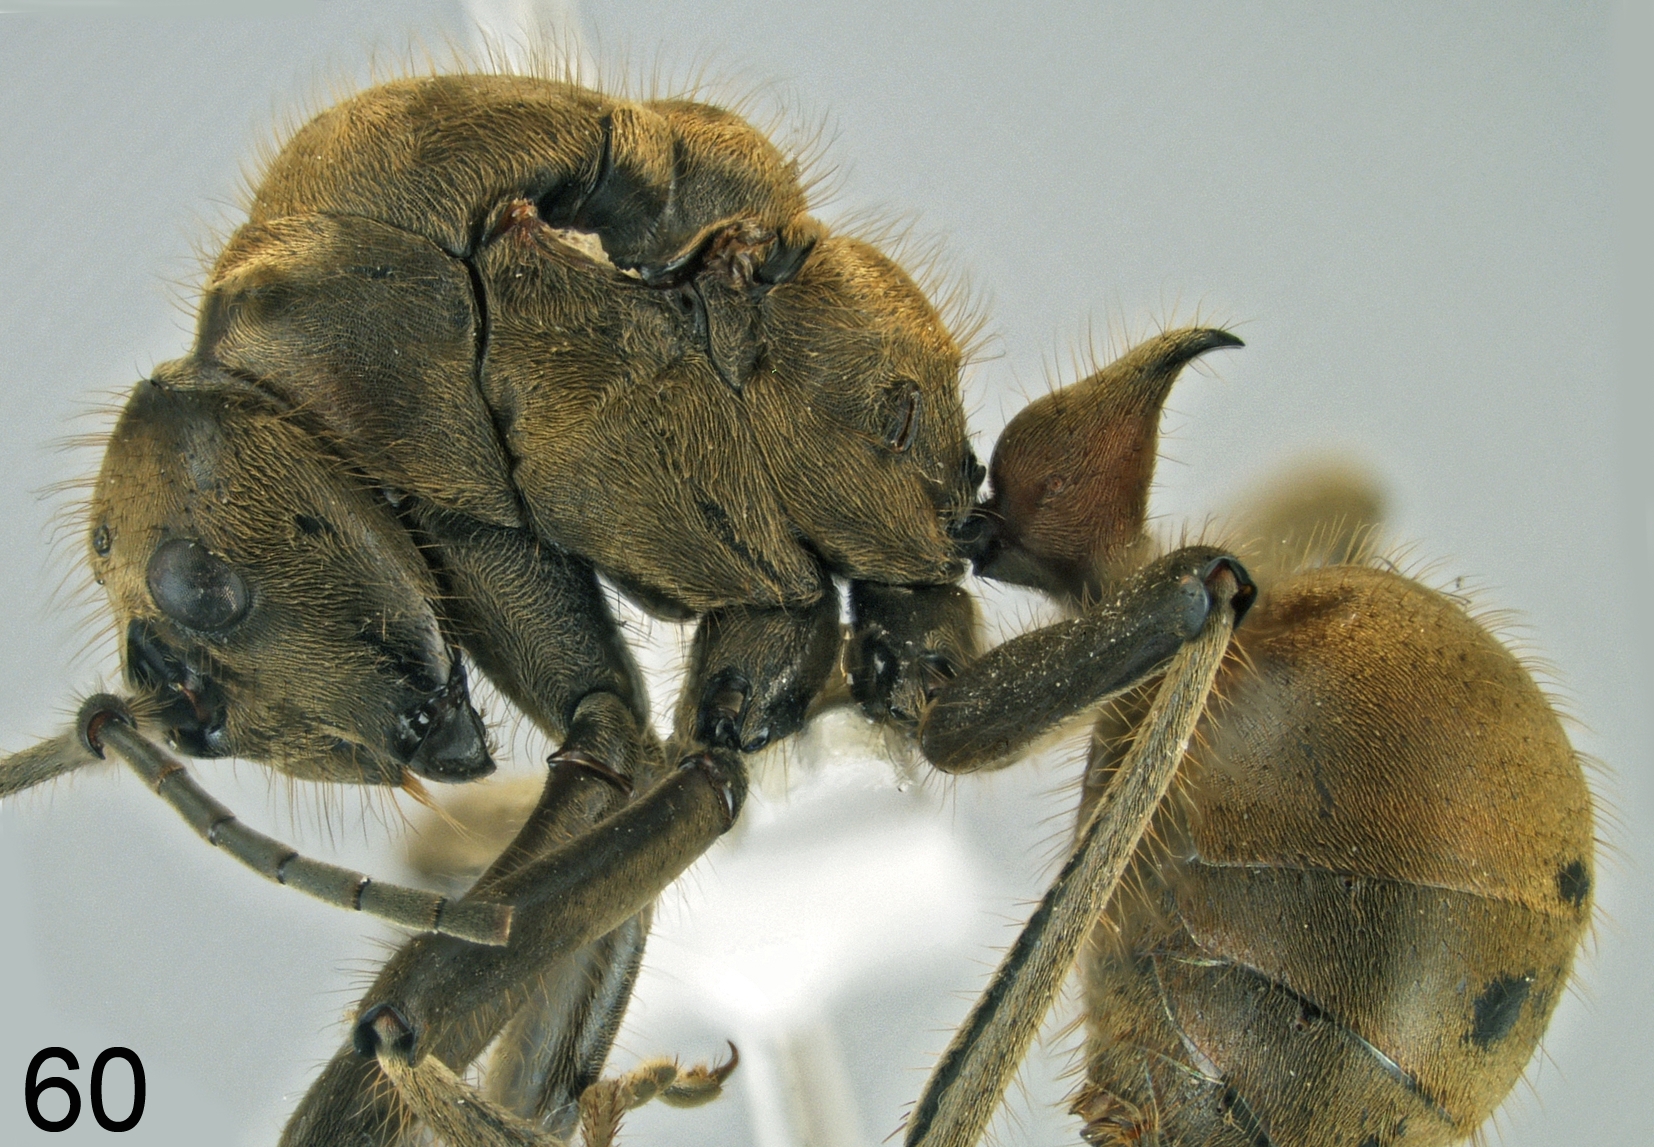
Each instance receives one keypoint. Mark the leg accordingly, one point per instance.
(588, 886)
(449, 1000)
(535, 620)
(906, 644)
(1070, 478)
(966, 1086)
(994, 709)
(560, 658)
(555, 1047)
(1317, 513)
(910, 658)
(752, 675)
(754, 672)
(1070, 481)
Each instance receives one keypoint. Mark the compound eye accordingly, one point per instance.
(196, 588)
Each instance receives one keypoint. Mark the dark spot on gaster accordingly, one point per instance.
(310, 526)
(378, 272)
(1498, 1007)
(101, 544)
(1573, 882)
(1370, 1141)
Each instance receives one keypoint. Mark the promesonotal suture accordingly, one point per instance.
(437, 393)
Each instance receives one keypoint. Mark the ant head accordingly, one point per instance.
(269, 605)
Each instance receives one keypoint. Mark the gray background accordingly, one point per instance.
(1426, 223)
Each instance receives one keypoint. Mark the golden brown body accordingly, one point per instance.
(1349, 924)
(401, 284)
(436, 155)
(1357, 919)
(417, 419)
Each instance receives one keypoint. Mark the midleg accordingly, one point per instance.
(754, 672)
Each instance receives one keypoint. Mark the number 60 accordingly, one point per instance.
(33, 1086)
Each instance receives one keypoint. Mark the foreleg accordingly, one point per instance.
(449, 1000)
(535, 620)
(588, 886)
